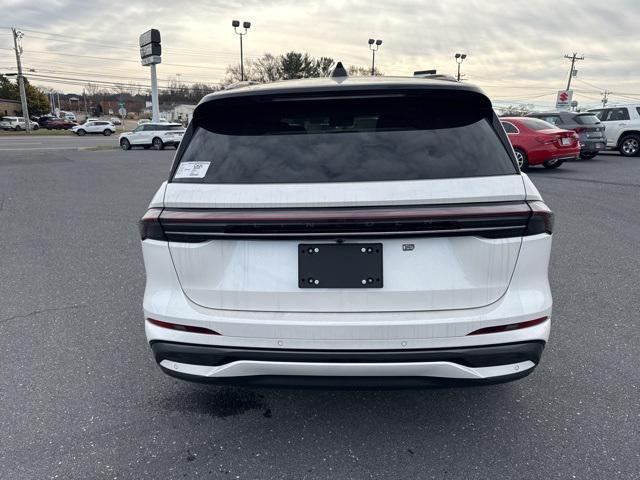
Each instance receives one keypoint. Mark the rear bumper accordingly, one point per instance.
(590, 146)
(391, 368)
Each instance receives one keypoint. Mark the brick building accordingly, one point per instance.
(10, 108)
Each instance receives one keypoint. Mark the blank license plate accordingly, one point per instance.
(566, 141)
(340, 265)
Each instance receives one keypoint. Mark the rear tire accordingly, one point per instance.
(521, 157)
(588, 156)
(81, 132)
(107, 132)
(35, 127)
(18, 128)
(157, 144)
(629, 145)
(550, 164)
(125, 144)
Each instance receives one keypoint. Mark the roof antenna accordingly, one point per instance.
(338, 71)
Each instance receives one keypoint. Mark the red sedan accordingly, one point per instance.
(536, 142)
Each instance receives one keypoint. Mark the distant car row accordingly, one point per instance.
(551, 138)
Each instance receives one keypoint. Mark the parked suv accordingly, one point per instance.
(349, 231)
(622, 127)
(16, 123)
(156, 135)
(98, 126)
(586, 125)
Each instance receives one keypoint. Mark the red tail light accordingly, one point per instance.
(541, 219)
(182, 328)
(546, 139)
(510, 327)
(149, 225)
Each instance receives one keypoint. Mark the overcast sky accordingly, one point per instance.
(515, 48)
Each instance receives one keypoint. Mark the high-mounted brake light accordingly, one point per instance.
(149, 225)
(182, 328)
(541, 219)
(510, 327)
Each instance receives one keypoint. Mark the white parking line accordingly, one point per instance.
(4, 144)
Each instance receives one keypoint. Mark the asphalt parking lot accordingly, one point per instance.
(81, 397)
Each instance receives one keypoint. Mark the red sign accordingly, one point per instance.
(564, 96)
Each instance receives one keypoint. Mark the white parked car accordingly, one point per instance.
(115, 121)
(17, 124)
(100, 126)
(142, 121)
(70, 116)
(371, 231)
(156, 135)
(622, 127)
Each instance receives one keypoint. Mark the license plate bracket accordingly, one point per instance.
(340, 265)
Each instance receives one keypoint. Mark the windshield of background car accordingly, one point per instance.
(352, 139)
(586, 119)
(536, 124)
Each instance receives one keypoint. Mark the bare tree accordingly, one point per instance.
(358, 71)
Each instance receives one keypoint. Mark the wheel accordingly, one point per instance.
(157, 143)
(81, 132)
(630, 145)
(588, 156)
(125, 144)
(36, 127)
(521, 157)
(18, 128)
(106, 132)
(555, 163)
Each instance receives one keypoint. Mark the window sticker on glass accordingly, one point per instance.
(192, 170)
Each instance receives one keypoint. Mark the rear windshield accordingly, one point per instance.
(586, 119)
(349, 139)
(536, 124)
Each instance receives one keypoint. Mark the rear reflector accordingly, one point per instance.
(182, 328)
(510, 327)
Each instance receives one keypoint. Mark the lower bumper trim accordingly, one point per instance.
(462, 366)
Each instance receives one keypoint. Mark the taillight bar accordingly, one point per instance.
(492, 220)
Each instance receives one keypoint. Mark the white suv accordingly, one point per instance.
(622, 127)
(156, 135)
(16, 123)
(97, 126)
(350, 231)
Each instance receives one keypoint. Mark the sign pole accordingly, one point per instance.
(150, 54)
(155, 108)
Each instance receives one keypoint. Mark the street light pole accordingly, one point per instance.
(23, 94)
(246, 25)
(374, 45)
(459, 59)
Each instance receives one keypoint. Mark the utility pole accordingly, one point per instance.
(605, 97)
(23, 95)
(573, 59)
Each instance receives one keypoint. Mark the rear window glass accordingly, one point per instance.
(346, 140)
(536, 124)
(586, 119)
